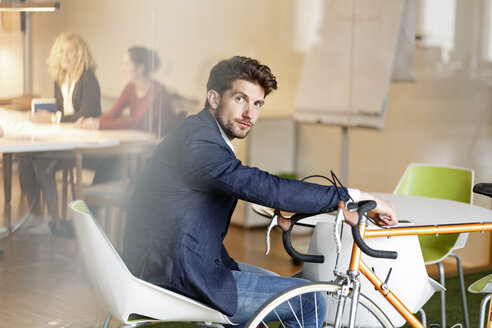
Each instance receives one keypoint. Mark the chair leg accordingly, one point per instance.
(72, 183)
(107, 223)
(107, 320)
(443, 294)
(462, 288)
(119, 229)
(64, 193)
(423, 317)
(483, 311)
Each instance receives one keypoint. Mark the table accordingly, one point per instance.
(424, 211)
(417, 209)
(24, 136)
(430, 211)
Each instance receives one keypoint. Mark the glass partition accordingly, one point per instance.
(443, 116)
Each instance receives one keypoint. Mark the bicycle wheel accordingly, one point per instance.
(368, 313)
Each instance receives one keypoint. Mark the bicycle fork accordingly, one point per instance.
(351, 286)
(355, 302)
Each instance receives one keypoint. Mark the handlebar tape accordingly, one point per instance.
(483, 189)
(364, 207)
(290, 249)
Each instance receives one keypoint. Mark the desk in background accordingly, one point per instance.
(24, 136)
(22, 103)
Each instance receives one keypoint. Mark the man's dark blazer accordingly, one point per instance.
(181, 208)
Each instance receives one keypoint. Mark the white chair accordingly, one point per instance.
(105, 197)
(129, 299)
(482, 286)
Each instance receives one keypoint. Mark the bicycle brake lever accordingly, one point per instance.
(272, 224)
(336, 228)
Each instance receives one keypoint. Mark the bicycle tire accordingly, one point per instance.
(330, 289)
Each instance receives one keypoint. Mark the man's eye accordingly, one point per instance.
(240, 99)
(258, 104)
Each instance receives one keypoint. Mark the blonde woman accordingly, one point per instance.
(77, 90)
(77, 94)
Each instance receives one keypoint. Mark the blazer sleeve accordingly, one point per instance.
(212, 166)
(86, 98)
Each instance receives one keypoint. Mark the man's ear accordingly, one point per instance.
(213, 98)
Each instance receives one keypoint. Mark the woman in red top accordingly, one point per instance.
(147, 99)
(149, 104)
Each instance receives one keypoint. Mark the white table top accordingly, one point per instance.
(426, 210)
(24, 136)
(416, 209)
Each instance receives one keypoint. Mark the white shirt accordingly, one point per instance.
(224, 136)
(67, 97)
(353, 193)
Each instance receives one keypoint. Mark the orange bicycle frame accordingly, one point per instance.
(358, 265)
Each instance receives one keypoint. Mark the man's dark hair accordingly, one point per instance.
(227, 71)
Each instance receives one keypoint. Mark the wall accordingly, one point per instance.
(443, 117)
(190, 36)
(11, 58)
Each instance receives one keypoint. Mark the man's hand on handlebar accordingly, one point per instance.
(283, 222)
(351, 217)
(384, 214)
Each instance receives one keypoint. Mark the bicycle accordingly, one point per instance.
(343, 294)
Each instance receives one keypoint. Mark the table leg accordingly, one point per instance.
(7, 188)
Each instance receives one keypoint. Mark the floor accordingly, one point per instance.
(43, 284)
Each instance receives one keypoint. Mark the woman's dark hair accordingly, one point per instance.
(227, 71)
(145, 57)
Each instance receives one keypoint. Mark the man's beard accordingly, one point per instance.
(231, 133)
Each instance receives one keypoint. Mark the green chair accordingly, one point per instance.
(484, 286)
(443, 182)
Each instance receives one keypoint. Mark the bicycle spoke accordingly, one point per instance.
(279, 319)
(302, 310)
(316, 309)
(284, 307)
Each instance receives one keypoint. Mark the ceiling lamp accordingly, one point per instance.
(29, 6)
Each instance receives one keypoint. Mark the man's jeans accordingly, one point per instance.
(256, 285)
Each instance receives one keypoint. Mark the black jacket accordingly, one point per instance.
(86, 98)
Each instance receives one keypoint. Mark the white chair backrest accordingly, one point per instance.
(130, 299)
(106, 269)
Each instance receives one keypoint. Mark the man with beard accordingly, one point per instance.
(181, 207)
